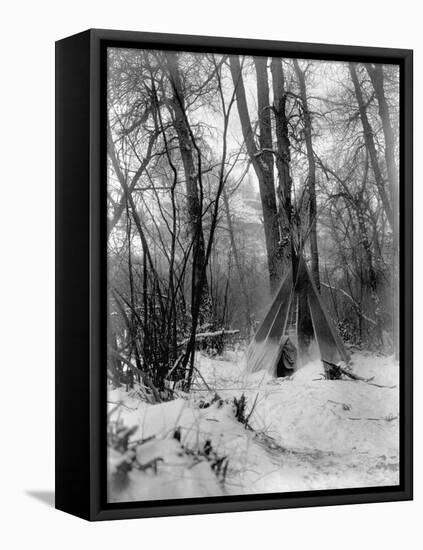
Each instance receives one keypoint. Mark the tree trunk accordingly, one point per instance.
(371, 273)
(311, 175)
(262, 160)
(242, 281)
(283, 159)
(376, 76)
(192, 174)
(370, 145)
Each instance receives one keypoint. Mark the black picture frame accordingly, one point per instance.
(81, 274)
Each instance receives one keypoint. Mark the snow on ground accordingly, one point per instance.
(318, 434)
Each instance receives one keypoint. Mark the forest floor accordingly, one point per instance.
(302, 433)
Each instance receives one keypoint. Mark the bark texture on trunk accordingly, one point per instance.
(283, 159)
(377, 77)
(311, 175)
(192, 174)
(370, 146)
(261, 159)
(242, 281)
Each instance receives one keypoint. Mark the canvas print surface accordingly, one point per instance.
(252, 258)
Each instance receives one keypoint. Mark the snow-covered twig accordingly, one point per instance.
(385, 418)
(353, 300)
(202, 378)
(204, 335)
(120, 404)
(252, 410)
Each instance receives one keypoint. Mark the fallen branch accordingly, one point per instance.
(355, 377)
(204, 335)
(385, 418)
(119, 404)
(381, 385)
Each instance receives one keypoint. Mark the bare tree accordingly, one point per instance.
(371, 146)
(378, 81)
(283, 159)
(193, 181)
(262, 159)
(389, 200)
(311, 173)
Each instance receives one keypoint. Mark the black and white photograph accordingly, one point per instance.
(253, 257)
(210, 241)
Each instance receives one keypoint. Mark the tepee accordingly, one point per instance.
(297, 308)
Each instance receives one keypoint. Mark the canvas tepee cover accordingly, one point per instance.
(266, 348)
